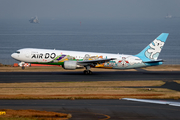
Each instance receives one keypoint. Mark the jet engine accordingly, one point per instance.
(70, 65)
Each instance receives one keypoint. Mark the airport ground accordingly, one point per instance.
(97, 109)
(95, 96)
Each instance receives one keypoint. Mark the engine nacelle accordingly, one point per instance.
(70, 65)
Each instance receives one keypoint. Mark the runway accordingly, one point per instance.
(10, 77)
(96, 109)
(99, 109)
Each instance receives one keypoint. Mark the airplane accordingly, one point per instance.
(71, 60)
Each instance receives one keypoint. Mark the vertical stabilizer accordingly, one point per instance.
(152, 51)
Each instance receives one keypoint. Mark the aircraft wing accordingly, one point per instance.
(94, 62)
(177, 104)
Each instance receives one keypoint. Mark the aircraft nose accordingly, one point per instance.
(13, 55)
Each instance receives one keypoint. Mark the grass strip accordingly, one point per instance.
(32, 115)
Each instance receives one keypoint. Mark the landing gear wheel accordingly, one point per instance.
(87, 72)
(23, 67)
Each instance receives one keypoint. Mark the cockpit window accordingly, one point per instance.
(18, 52)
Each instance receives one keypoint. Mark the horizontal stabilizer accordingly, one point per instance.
(154, 61)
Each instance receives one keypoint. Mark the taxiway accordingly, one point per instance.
(99, 109)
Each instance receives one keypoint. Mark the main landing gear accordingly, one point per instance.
(87, 71)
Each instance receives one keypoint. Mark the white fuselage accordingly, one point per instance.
(31, 55)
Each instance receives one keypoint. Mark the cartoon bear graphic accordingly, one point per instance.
(154, 49)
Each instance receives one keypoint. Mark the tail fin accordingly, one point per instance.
(152, 51)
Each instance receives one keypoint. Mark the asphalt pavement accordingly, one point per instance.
(99, 109)
(10, 77)
(96, 109)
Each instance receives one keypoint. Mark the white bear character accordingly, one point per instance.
(156, 48)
